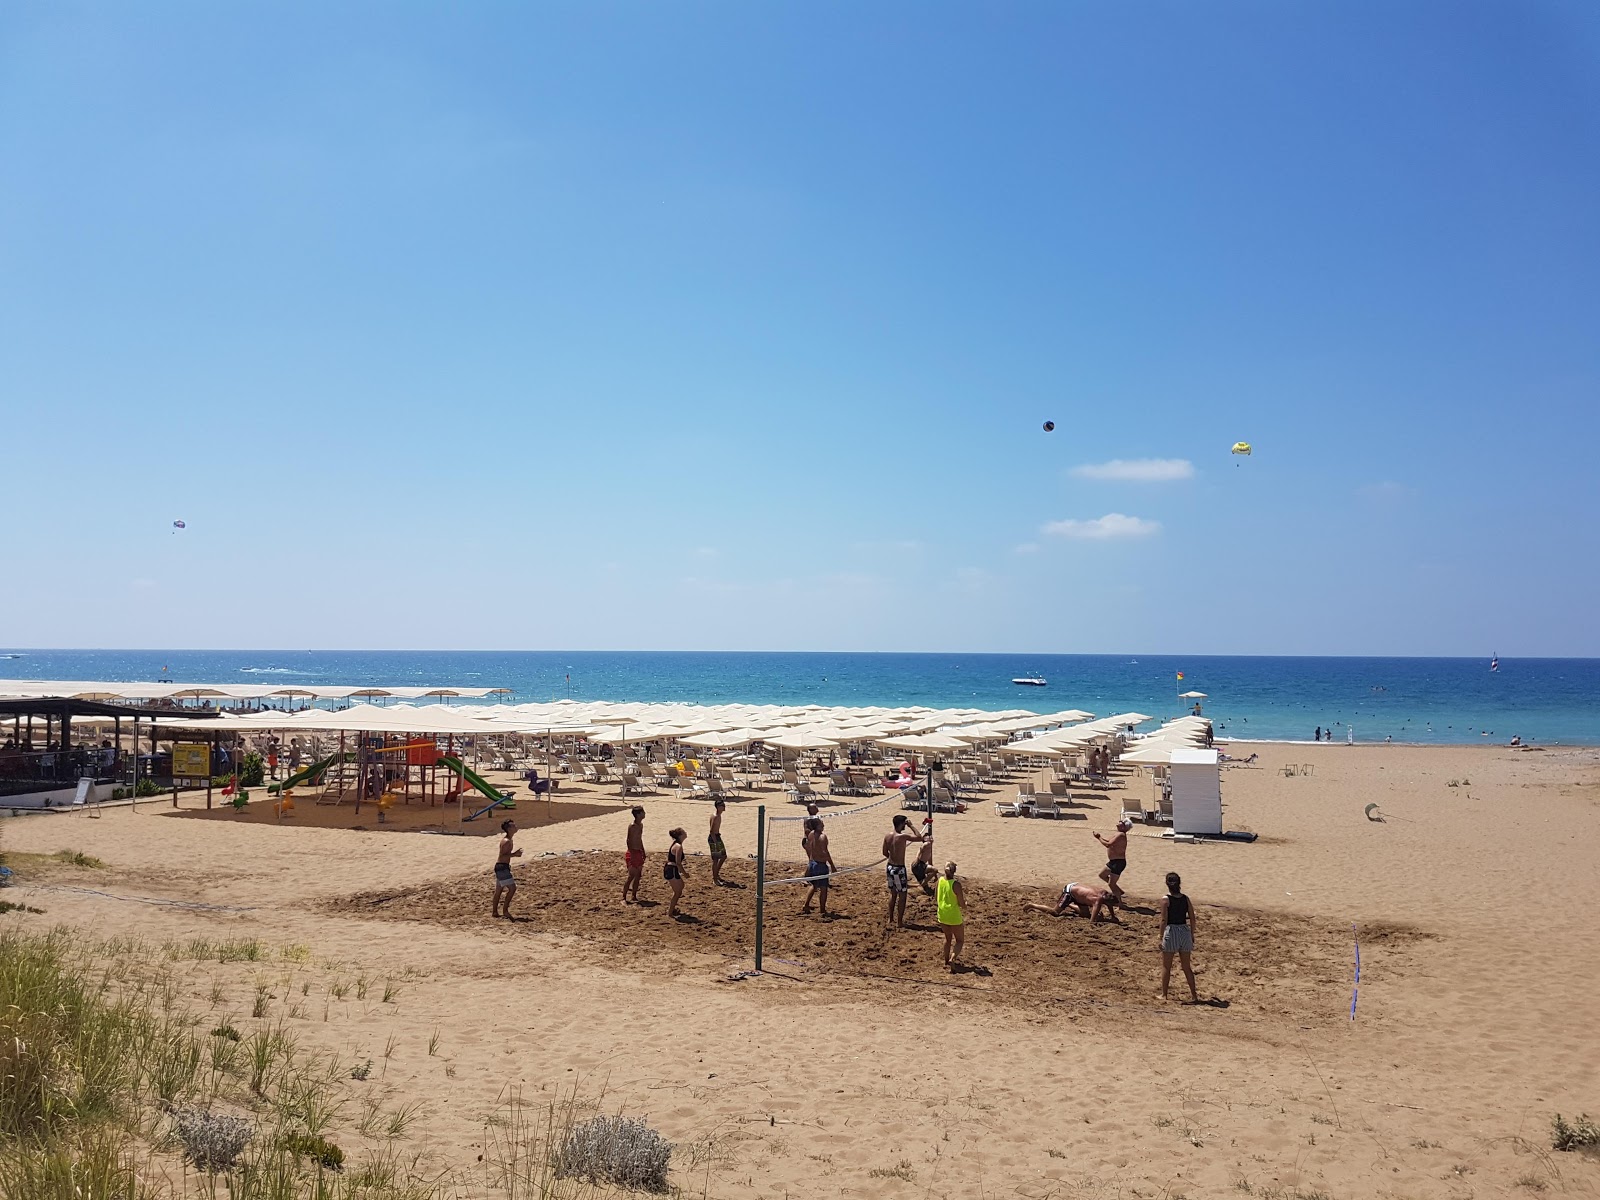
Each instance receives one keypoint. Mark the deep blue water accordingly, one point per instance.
(1421, 699)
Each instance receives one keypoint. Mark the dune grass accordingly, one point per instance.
(113, 1091)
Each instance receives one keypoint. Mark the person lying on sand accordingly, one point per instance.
(504, 885)
(1084, 899)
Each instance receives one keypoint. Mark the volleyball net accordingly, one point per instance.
(771, 827)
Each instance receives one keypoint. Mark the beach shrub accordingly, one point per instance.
(211, 1141)
(619, 1150)
(1578, 1136)
(318, 1149)
(147, 787)
(253, 771)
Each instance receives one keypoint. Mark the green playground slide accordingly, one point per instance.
(472, 777)
(310, 772)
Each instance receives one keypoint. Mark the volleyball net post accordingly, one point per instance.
(761, 876)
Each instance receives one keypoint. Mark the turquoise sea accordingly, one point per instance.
(1444, 700)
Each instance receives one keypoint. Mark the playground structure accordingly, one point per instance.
(382, 770)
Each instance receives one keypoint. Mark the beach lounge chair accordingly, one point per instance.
(1025, 790)
(802, 792)
(1003, 809)
(839, 784)
(1058, 789)
(1133, 810)
(1045, 808)
(1164, 808)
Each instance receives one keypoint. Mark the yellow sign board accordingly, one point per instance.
(191, 760)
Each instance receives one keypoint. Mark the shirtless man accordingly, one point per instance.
(894, 849)
(922, 869)
(635, 856)
(504, 884)
(719, 852)
(1084, 899)
(819, 865)
(1116, 856)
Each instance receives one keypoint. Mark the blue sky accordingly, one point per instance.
(734, 326)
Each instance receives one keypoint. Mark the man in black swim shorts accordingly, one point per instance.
(1116, 856)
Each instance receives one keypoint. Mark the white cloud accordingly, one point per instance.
(1137, 470)
(1027, 548)
(1100, 529)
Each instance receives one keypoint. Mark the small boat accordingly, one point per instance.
(1032, 681)
(1494, 662)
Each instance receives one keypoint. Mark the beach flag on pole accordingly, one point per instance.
(1180, 676)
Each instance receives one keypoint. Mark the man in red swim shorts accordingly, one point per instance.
(634, 856)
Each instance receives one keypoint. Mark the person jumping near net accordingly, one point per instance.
(923, 870)
(894, 849)
(819, 865)
(719, 852)
(634, 856)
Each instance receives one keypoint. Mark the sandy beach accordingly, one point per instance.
(856, 1066)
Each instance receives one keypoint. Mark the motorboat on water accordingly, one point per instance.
(1032, 681)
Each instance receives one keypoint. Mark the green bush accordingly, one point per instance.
(148, 787)
(253, 771)
(1577, 1136)
(317, 1149)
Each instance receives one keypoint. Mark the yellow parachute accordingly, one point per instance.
(1241, 447)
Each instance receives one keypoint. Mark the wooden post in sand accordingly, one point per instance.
(761, 875)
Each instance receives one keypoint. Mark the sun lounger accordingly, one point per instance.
(1003, 809)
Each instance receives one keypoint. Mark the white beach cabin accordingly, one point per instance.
(1196, 777)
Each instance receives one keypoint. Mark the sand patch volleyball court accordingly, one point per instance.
(868, 1071)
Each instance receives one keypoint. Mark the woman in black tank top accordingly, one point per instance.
(1177, 934)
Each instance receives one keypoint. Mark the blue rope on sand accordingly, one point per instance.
(1357, 988)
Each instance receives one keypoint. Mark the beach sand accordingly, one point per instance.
(858, 1067)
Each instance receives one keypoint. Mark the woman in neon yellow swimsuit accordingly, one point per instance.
(950, 898)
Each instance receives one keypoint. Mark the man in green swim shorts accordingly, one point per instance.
(719, 852)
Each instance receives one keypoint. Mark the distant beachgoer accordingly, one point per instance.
(1317, 736)
(719, 852)
(272, 756)
(1178, 925)
(811, 815)
(1082, 898)
(505, 886)
(634, 856)
(1116, 856)
(294, 756)
(951, 901)
(1516, 739)
(673, 871)
(894, 849)
(819, 865)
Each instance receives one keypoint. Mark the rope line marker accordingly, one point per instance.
(194, 904)
(1356, 988)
